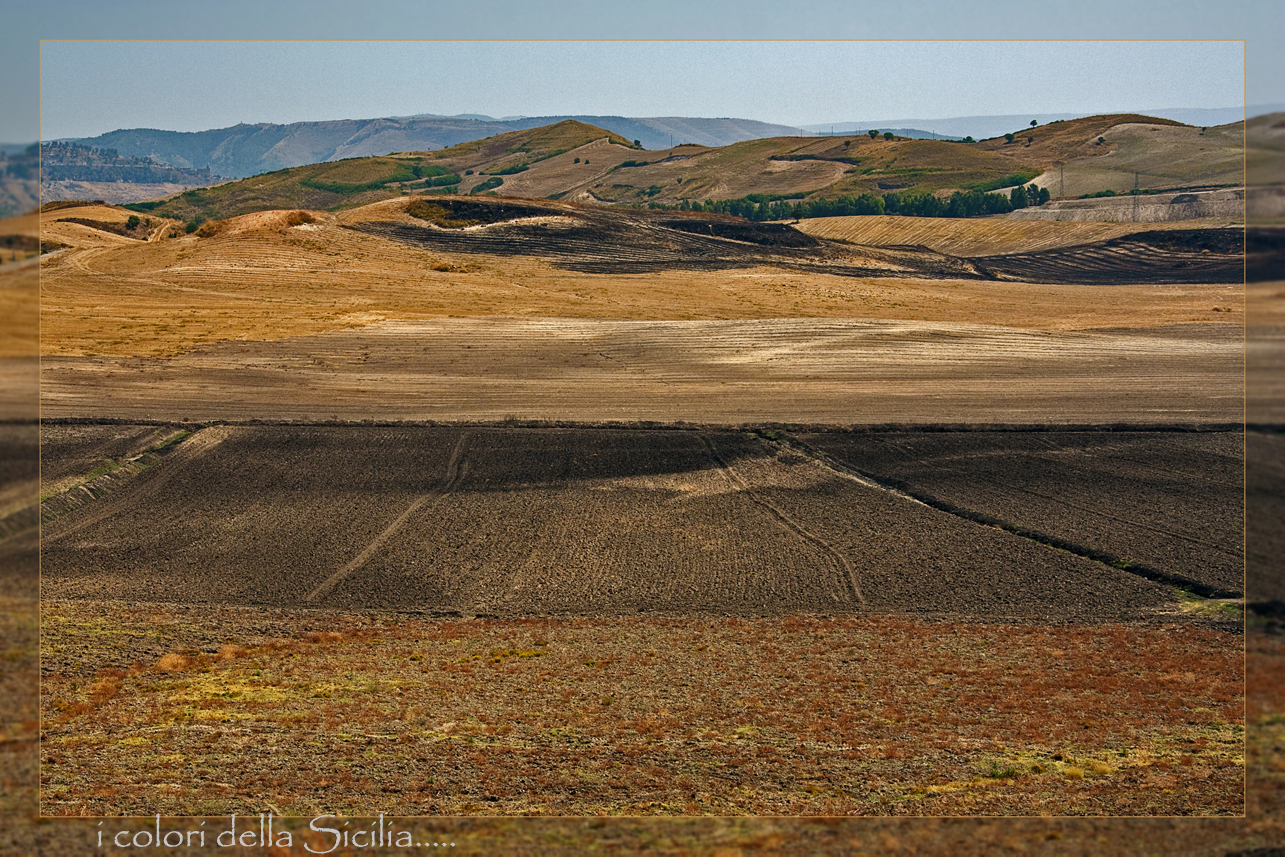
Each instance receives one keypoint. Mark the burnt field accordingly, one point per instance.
(1170, 503)
(621, 241)
(1165, 256)
(522, 521)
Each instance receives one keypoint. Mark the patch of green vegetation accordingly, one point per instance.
(1018, 178)
(403, 174)
(508, 171)
(492, 182)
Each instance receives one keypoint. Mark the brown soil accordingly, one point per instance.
(732, 372)
(538, 521)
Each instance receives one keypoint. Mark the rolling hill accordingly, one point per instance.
(245, 150)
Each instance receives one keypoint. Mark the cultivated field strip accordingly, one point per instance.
(712, 372)
(597, 522)
(553, 521)
(1128, 260)
(263, 518)
(1173, 502)
(453, 473)
(841, 564)
(910, 558)
(987, 236)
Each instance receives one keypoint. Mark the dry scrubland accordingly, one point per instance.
(253, 710)
(925, 676)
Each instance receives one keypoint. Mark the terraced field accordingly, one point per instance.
(537, 521)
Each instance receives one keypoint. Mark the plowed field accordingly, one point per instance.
(1170, 501)
(522, 521)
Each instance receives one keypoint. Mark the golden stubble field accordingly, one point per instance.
(259, 279)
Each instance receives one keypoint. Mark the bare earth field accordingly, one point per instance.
(718, 372)
(248, 610)
(1096, 490)
(545, 521)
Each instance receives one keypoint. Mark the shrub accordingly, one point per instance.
(492, 182)
(133, 221)
(888, 135)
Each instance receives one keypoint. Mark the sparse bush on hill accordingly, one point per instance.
(492, 182)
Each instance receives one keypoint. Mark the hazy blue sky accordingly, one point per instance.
(198, 82)
(215, 84)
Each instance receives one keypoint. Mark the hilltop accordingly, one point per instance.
(250, 149)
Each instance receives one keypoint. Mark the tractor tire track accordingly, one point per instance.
(145, 484)
(455, 470)
(841, 565)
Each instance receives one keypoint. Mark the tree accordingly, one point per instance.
(132, 221)
(1008, 137)
(1017, 196)
(1101, 140)
(873, 134)
(888, 135)
(969, 139)
(1034, 123)
(637, 144)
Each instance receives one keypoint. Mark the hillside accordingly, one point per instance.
(360, 181)
(247, 150)
(576, 162)
(19, 180)
(71, 171)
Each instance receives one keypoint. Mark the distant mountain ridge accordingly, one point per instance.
(245, 150)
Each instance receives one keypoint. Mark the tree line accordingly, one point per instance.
(972, 203)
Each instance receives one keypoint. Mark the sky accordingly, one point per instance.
(787, 82)
(216, 85)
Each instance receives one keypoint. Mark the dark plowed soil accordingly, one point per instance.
(550, 521)
(73, 450)
(1170, 501)
(766, 234)
(1176, 256)
(1264, 254)
(611, 242)
(19, 492)
(628, 241)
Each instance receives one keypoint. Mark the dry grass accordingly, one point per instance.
(979, 236)
(263, 281)
(793, 716)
